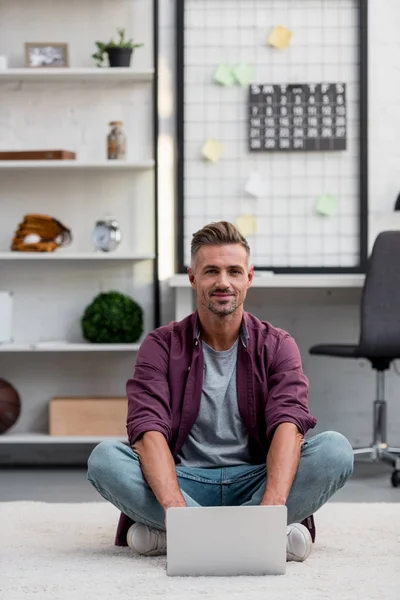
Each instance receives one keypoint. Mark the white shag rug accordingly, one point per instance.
(66, 552)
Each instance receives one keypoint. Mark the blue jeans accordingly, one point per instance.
(326, 464)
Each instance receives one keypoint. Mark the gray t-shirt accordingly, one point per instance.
(218, 437)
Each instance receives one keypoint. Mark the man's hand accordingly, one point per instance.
(271, 499)
(178, 503)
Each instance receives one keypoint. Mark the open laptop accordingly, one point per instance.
(226, 540)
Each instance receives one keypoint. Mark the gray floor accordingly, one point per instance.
(370, 483)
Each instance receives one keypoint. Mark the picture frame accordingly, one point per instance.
(46, 55)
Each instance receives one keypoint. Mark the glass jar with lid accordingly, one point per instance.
(116, 141)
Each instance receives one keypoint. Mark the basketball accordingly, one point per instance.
(10, 405)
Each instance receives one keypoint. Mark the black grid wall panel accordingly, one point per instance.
(328, 47)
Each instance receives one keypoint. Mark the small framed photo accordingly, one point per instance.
(42, 54)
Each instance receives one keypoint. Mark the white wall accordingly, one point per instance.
(384, 105)
(342, 391)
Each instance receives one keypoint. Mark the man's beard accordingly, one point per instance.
(223, 310)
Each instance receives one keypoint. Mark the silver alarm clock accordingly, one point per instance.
(106, 235)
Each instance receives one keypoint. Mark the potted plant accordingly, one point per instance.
(112, 318)
(119, 52)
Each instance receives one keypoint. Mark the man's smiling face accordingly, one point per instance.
(221, 276)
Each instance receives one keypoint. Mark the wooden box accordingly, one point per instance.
(88, 416)
(38, 155)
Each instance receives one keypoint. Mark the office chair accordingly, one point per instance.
(379, 338)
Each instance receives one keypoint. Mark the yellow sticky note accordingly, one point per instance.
(280, 37)
(326, 205)
(246, 224)
(212, 150)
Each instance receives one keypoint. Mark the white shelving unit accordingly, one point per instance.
(68, 347)
(70, 108)
(77, 74)
(70, 165)
(62, 254)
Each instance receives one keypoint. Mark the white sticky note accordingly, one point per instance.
(246, 224)
(212, 150)
(326, 205)
(254, 186)
(280, 37)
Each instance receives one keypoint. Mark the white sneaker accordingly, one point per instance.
(153, 542)
(145, 540)
(298, 542)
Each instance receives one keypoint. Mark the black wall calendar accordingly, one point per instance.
(296, 117)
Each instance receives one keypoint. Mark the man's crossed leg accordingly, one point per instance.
(326, 464)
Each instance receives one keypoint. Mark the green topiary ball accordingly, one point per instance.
(112, 318)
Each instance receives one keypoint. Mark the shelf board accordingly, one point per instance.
(290, 281)
(67, 347)
(77, 74)
(62, 255)
(115, 165)
(43, 438)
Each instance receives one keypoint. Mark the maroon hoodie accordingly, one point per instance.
(165, 391)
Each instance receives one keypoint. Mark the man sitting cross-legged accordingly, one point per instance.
(217, 414)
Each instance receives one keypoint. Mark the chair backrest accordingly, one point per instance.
(380, 307)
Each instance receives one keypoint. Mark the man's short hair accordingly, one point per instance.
(218, 234)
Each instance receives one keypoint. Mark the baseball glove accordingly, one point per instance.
(40, 233)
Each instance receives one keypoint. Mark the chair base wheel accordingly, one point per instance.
(395, 479)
